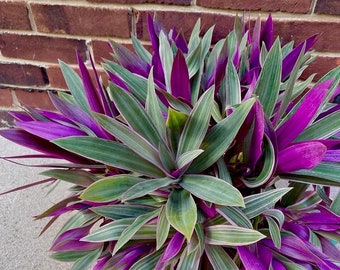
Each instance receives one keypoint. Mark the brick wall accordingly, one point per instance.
(34, 34)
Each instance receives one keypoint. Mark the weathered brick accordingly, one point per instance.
(294, 6)
(41, 48)
(169, 19)
(21, 74)
(81, 20)
(5, 97)
(34, 98)
(299, 30)
(168, 2)
(14, 15)
(321, 66)
(101, 50)
(331, 7)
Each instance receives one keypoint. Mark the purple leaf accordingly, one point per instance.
(277, 265)
(329, 248)
(290, 129)
(49, 130)
(90, 90)
(129, 60)
(101, 263)
(249, 260)
(267, 33)
(56, 117)
(290, 60)
(101, 91)
(332, 156)
(36, 143)
(77, 115)
(257, 136)
(299, 230)
(72, 245)
(21, 116)
(180, 41)
(173, 247)
(305, 155)
(320, 217)
(152, 33)
(180, 83)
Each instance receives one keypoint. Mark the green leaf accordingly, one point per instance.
(335, 206)
(268, 167)
(294, 75)
(77, 177)
(175, 123)
(148, 262)
(167, 58)
(276, 214)
(68, 256)
(143, 188)
(256, 204)
(189, 260)
(194, 60)
(328, 171)
(321, 129)
(219, 259)
(140, 50)
(109, 188)
(235, 216)
(181, 212)
(268, 84)
(75, 85)
(223, 172)
(212, 189)
(163, 227)
(130, 231)
(188, 157)
(86, 261)
(130, 138)
(195, 35)
(101, 150)
(135, 115)
(220, 136)
(274, 231)
(227, 235)
(306, 203)
(109, 232)
(136, 84)
(120, 211)
(152, 106)
(232, 86)
(197, 124)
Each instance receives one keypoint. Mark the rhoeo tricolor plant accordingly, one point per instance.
(195, 156)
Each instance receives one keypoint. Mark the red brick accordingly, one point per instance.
(21, 74)
(101, 50)
(41, 48)
(299, 30)
(331, 7)
(56, 77)
(14, 16)
(34, 98)
(321, 66)
(6, 97)
(168, 2)
(169, 19)
(294, 6)
(81, 20)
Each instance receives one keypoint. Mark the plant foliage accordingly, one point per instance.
(195, 155)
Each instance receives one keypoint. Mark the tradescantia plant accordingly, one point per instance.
(195, 156)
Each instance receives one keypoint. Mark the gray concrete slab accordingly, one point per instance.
(20, 246)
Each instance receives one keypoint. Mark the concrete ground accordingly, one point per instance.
(20, 246)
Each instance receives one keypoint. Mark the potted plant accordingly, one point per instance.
(195, 156)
